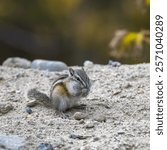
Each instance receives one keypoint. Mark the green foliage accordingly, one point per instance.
(132, 46)
(147, 2)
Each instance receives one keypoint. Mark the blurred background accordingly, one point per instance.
(75, 30)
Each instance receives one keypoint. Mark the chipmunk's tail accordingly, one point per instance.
(39, 97)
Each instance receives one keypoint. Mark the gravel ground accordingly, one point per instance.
(116, 116)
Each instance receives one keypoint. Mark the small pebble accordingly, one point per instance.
(128, 85)
(120, 132)
(140, 92)
(45, 146)
(89, 125)
(100, 118)
(116, 122)
(130, 96)
(114, 63)
(30, 122)
(81, 121)
(88, 63)
(17, 62)
(104, 105)
(116, 92)
(49, 65)
(39, 136)
(51, 123)
(96, 139)
(60, 143)
(5, 108)
(20, 75)
(1, 79)
(12, 92)
(123, 96)
(28, 110)
(80, 137)
(79, 116)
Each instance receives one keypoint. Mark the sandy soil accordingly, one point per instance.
(116, 116)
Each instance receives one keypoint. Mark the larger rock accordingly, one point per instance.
(12, 142)
(17, 62)
(48, 65)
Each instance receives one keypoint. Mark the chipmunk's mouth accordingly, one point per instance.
(85, 92)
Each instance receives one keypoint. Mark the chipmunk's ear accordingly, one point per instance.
(71, 71)
(83, 69)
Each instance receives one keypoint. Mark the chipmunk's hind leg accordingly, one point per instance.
(79, 106)
(32, 103)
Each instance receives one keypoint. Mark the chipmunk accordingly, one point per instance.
(65, 91)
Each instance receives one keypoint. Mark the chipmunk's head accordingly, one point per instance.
(81, 79)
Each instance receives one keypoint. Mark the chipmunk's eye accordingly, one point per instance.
(78, 78)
